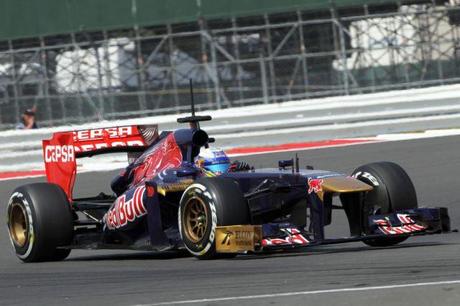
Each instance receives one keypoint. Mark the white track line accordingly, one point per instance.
(297, 293)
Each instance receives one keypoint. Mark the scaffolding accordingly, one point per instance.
(143, 71)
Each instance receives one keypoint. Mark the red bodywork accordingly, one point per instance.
(166, 154)
(61, 151)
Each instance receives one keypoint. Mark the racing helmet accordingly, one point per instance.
(214, 160)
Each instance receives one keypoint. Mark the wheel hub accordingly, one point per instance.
(18, 225)
(195, 219)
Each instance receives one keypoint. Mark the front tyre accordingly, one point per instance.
(392, 191)
(206, 204)
(39, 220)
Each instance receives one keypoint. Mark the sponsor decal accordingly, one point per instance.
(125, 211)
(315, 185)
(408, 225)
(96, 139)
(227, 237)
(294, 237)
(240, 238)
(174, 187)
(367, 176)
(57, 153)
(102, 133)
(237, 238)
(108, 144)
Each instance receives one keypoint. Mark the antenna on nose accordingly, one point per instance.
(192, 100)
(194, 120)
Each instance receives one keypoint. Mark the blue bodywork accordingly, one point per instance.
(287, 204)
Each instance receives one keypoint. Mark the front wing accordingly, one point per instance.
(273, 236)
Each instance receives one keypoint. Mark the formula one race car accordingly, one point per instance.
(170, 203)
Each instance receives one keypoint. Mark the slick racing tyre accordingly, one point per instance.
(393, 191)
(40, 221)
(204, 205)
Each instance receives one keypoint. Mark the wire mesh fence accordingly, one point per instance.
(83, 77)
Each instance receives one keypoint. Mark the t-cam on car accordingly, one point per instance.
(164, 201)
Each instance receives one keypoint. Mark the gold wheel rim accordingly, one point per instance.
(195, 219)
(18, 225)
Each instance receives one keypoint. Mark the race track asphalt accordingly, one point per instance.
(129, 278)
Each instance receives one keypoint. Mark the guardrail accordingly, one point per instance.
(315, 119)
(85, 76)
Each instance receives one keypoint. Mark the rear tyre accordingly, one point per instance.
(204, 205)
(393, 191)
(40, 222)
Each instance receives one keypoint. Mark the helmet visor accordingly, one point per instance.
(218, 168)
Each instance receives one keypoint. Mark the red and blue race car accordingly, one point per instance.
(164, 201)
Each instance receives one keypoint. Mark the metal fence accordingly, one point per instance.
(106, 75)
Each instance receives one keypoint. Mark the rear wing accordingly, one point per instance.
(61, 151)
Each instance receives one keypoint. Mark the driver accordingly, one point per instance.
(214, 161)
